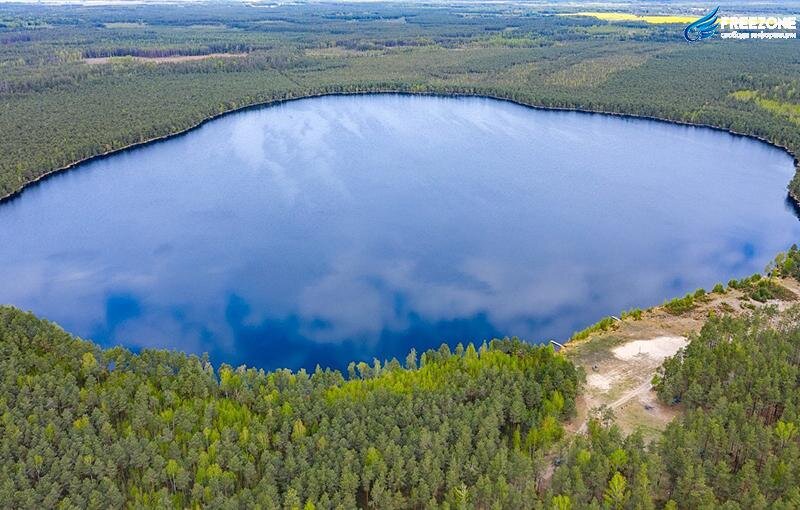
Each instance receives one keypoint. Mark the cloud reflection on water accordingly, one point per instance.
(342, 228)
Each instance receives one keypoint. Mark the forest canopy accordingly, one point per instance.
(82, 427)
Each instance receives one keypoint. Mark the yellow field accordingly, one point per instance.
(624, 16)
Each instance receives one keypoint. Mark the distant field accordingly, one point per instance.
(624, 16)
(124, 25)
(161, 60)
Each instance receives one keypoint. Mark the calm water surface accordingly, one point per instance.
(340, 228)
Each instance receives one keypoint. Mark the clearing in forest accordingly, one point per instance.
(161, 60)
(620, 364)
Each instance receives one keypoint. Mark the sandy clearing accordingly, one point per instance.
(620, 364)
(619, 377)
(657, 349)
(599, 381)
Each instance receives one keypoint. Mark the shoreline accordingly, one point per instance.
(275, 102)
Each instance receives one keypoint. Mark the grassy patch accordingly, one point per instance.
(761, 289)
(590, 353)
(633, 313)
(681, 305)
(603, 325)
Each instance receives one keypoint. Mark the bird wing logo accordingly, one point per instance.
(704, 28)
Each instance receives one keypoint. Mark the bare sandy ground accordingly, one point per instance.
(655, 349)
(620, 377)
(163, 60)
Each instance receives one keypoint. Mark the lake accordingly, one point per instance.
(343, 228)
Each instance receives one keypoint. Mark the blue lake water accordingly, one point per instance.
(344, 228)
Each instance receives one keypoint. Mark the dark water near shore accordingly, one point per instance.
(342, 228)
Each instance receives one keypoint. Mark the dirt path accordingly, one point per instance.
(620, 364)
(619, 378)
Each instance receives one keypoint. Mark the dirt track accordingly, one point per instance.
(620, 381)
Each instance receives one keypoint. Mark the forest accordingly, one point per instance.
(475, 426)
(86, 428)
